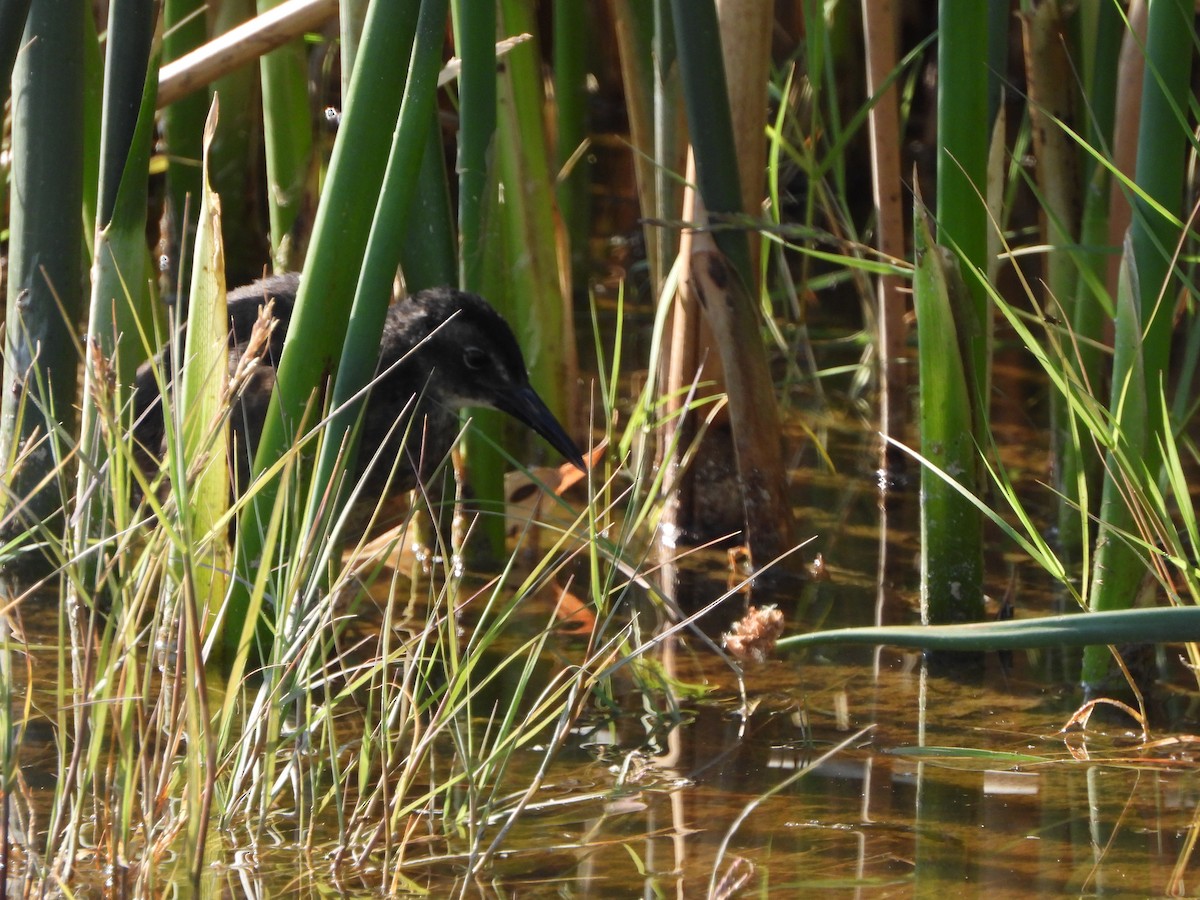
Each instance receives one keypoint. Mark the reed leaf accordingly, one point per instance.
(1093, 630)
(202, 401)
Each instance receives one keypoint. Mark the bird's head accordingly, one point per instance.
(472, 359)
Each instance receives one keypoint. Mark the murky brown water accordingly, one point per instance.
(960, 781)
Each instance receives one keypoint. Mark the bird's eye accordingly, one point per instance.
(474, 358)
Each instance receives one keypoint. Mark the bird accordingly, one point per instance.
(441, 350)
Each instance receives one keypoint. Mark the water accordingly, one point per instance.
(852, 770)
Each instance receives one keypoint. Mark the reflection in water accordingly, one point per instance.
(675, 792)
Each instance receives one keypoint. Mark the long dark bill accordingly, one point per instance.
(527, 407)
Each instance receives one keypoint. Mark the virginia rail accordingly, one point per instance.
(441, 350)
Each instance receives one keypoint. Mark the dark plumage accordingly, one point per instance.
(446, 348)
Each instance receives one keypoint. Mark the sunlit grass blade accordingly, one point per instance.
(801, 772)
(1118, 567)
(1031, 541)
(969, 754)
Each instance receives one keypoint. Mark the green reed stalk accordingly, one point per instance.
(236, 154)
(1092, 307)
(479, 237)
(951, 527)
(963, 132)
(475, 39)
(523, 278)
(359, 355)
(185, 27)
(428, 258)
(45, 240)
(287, 139)
(1140, 370)
(1161, 163)
(535, 297)
(657, 128)
(319, 321)
(572, 31)
(725, 283)
(352, 16)
(1102, 26)
(121, 283)
(698, 37)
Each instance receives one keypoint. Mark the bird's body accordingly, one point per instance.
(441, 350)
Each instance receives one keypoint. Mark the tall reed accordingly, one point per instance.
(1144, 325)
(44, 265)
